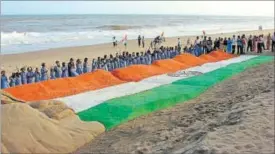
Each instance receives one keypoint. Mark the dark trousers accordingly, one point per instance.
(233, 49)
(139, 43)
(249, 47)
(273, 46)
(239, 49)
(260, 47)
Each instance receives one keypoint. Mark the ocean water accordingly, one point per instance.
(38, 32)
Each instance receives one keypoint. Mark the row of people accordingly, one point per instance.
(76, 68)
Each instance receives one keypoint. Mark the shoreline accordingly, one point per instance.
(9, 62)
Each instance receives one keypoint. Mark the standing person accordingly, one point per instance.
(143, 42)
(73, 70)
(86, 66)
(268, 41)
(254, 45)
(234, 44)
(244, 43)
(4, 80)
(70, 66)
(79, 66)
(114, 42)
(179, 45)
(273, 42)
(30, 75)
(221, 44)
(44, 72)
(188, 43)
(209, 45)
(215, 44)
(52, 75)
(64, 70)
(225, 44)
(12, 80)
(125, 42)
(57, 69)
(204, 45)
(249, 44)
(229, 45)
(239, 45)
(139, 40)
(260, 44)
(23, 75)
(37, 75)
(17, 79)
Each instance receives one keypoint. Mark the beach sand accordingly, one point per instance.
(235, 116)
(11, 62)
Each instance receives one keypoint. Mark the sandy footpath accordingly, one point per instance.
(34, 59)
(235, 116)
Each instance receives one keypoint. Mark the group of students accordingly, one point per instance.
(73, 68)
(234, 45)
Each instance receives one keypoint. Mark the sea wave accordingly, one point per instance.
(117, 27)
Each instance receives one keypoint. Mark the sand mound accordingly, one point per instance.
(190, 60)
(138, 72)
(44, 127)
(170, 65)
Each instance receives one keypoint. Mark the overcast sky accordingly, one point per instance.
(235, 8)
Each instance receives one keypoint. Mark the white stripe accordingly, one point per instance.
(83, 101)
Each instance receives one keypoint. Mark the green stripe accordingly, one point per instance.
(116, 111)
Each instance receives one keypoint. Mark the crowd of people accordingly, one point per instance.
(235, 45)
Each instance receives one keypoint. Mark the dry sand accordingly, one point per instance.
(34, 59)
(235, 116)
(43, 127)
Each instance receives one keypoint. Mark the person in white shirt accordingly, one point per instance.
(234, 44)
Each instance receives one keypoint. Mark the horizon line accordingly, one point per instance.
(129, 14)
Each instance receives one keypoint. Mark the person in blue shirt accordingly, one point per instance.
(44, 72)
(52, 74)
(239, 45)
(64, 70)
(73, 70)
(12, 80)
(30, 75)
(4, 80)
(79, 66)
(37, 75)
(57, 70)
(94, 65)
(17, 79)
(229, 45)
(86, 66)
(23, 75)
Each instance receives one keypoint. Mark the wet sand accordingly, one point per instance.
(235, 116)
(11, 62)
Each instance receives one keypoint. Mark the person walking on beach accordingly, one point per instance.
(273, 42)
(114, 42)
(234, 44)
(4, 80)
(139, 41)
(44, 72)
(143, 42)
(249, 44)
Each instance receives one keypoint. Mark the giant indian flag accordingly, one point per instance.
(112, 98)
